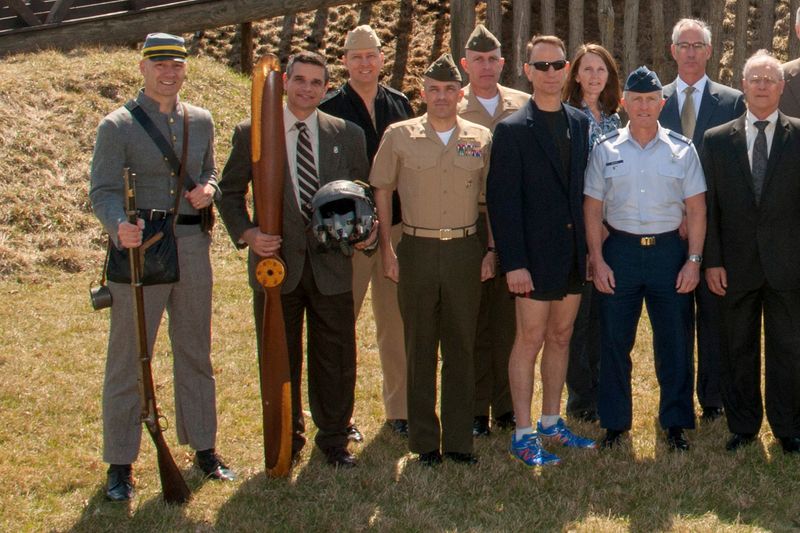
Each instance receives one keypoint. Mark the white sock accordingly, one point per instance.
(521, 432)
(549, 420)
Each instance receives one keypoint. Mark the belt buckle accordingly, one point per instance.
(650, 240)
(445, 234)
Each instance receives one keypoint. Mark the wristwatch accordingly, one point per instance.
(696, 258)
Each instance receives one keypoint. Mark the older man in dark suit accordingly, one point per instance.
(752, 257)
(693, 104)
(534, 193)
(318, 284)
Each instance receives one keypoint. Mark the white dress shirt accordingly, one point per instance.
(751, 132)
(697, 95)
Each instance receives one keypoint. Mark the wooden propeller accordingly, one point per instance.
(268, 148)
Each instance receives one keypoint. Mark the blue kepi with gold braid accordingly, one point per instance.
(164, 47)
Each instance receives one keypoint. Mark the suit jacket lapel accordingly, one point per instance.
(327, 148)
(708, 103)
(670, 112)
(739, 141)
(541, 134)
(778, 142)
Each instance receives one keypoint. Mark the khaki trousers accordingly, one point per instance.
(188, 304)
(388, 325)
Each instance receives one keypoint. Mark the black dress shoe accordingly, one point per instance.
(120, 483)
(712, 413)
(676, 440)
(339, 457)
(398, 426)
(480, 426)
(790, 444)
(612, 439)
(354, 434)
(463, 458)
(738, 440)
(585, 415)
(506, 421)
(212, 466)
(430, 458)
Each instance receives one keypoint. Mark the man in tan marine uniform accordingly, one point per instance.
(437, 163)
(486, 102)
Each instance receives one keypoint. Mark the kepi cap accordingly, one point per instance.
(362, 37)
(482, 40)
(164, 47)
(643, 80)
(443, 69)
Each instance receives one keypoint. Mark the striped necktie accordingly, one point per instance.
(760, 158)
(307, 181)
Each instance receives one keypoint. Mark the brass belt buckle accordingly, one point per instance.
(445, 234)
(648, 241)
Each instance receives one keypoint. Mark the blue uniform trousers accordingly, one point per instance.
(645, 273)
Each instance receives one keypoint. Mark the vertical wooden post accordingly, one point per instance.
(685, 9)
(462, 22)
(740, 48)
(575, 25)
(605, 19)
(520, 37)
(246, 51)
(548, 10)
(658, 38)
(630, 31)
(767, 26)
(494, 18)
(715, 22)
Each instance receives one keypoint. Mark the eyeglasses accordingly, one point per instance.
(755, 80)
(544, 66)
(684, 47)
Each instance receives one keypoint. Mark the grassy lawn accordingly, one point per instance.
(52, 351)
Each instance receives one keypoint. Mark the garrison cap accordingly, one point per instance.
(643, 80)
(164, 47)
(362, 37)
(482, 40)
(443, 69)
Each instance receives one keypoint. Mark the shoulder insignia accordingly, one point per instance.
(608, 136)
(679, 137)
(395, 92)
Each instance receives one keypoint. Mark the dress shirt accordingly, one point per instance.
(312, 123)
(751, 132)
(697, 95)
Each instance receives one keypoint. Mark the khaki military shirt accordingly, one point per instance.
(438, 184)
(469, 108)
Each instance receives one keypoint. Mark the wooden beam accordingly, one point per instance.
(177, 18)
(246, 51)
(24, 12)
(138, 4)
(58, 11)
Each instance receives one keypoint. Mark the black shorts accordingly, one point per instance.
(574, 286)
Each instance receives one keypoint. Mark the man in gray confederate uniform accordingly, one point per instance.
(123, 142)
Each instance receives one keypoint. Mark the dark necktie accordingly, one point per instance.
(759, 169)
(307, 181)
(688, 118)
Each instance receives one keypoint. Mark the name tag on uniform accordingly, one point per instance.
(612, 163)
(469, 149)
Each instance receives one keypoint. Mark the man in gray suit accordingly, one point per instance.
(694, 104)
(123, 142)
(790, 99)
(318, 283)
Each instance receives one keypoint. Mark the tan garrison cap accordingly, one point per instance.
(443, 69)
(362, 37)
(482, 40)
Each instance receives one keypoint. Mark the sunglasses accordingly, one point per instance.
(544, 66)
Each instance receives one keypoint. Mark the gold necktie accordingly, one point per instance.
(688, 117)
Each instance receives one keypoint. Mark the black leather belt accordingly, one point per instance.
(642, 240)
(161, 214)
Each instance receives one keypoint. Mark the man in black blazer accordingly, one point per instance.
(711, 104)
(318, 283)
(752, 257)
(534, 197)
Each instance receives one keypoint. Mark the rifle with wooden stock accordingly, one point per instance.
(268, 149)
(173, 485)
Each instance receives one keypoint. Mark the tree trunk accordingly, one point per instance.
(605, 19)
(660, 53)
(740, 48)
(462, 22)
(767, 13)
(717, 12)
(246, 50)
(548, 17)
(494, 18)
(685, 9)
(631, 30)
(575, 25)
(520, 38)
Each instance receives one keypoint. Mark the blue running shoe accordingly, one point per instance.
(529, 450)
(562, 434)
